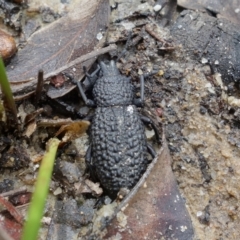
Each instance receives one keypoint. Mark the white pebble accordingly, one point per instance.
(204, 60)
(199, 213)
(99, 36)
(57, 191)
(157, 7)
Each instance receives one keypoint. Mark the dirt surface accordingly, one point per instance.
(199, 112)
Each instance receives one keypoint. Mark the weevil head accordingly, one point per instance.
(112, 88)
(109, 70)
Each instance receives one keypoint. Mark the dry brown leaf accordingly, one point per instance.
(157, 210)
(31, 127)
(73, 130)
(32, 116)
(60, 43)
(37, 158)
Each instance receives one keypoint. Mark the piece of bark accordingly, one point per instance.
(210, 40)
(157, 210)
(60, 43)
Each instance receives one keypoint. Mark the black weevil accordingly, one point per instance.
(118, 149)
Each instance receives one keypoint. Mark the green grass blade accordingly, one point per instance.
(6, 90)
(36, 209)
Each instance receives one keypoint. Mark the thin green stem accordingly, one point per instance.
(7, 92)
(39, 197)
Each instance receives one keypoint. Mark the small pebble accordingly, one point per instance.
(99, 36)
(237, 10)
(7, 45)
(204, 60)
(149, 133)
(57, 191)
(199, 213)
(203, 110)
(157, 7)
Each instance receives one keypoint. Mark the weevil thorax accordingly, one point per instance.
(112, 89)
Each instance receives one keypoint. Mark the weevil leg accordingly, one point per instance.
(102, 200)
(89, 117)
(126, 46)
(139, 102)
(91, 77)
(90, 167)
(149, 121)
(61, 104)
(151, 151)
(88, 102)
(92, 74)
(142, 89)
(88, 157)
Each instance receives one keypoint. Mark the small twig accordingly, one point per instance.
(166, 45)
(24, 96)
(139, 37)
(82, 59)
(39, 86)
(12, 210)
(14, 192)
(22, 208)
(54, 123)
(126, 46)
